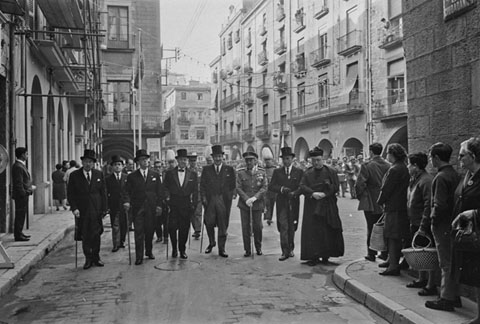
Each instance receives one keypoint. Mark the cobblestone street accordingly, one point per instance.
(203, 289)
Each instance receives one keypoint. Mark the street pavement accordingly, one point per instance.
(202, 289)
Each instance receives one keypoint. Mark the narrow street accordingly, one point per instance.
(202, 289)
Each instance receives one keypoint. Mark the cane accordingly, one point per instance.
(76, 243)
(128, 238)
(167, 227)
(201, 238)
(251, 229)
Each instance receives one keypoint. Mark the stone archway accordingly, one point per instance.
(301, 149)
(36, 159)
(267, 148)
(327, 148)
(400, 136)
(352, 147)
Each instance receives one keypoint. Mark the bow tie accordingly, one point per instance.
(181, 170)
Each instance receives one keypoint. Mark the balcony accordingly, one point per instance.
(263, 132)
(280, 12)
(262, 58)
(280, 47)
(223, 74)
(236, 64)
(184, 141)
(229, 43)
(247, 68)
(214, 139)
(248, 98)
(393, 36)
(183, 121)
(350, 43)
(320, 57)
(121, 42)
(298, 66)
(115, 121)
(229, 70)
(300, 20)
(279, 82)
(262, 92)
(263, 30)
(229, 101)
(390, 107)
(232, 138)
(323, 10)
(248, 135)
(282, 126)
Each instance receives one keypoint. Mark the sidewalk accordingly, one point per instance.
(390, 299)
(46, 231)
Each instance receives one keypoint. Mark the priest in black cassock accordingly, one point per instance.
(322, 236)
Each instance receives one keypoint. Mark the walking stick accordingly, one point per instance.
(201, 238)
(76, 244)
(128, 239)
(167, 226)
(251, 229)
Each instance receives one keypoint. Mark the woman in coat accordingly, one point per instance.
(466, 265)
(59, 188)
(393, 197)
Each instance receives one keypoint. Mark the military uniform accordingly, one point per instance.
(251, 183)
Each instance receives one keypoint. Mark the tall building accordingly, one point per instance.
(131, 60)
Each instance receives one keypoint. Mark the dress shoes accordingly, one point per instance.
(99, 263)
(183, 255)
(223, 254)
(383, 256)
(210, 247)
(313, 263)
(392, 272)
(87, 265)
(122, 245)
(440, 304)
(26, 235)
(247, 254)
(283, 257)
(174, 253)
(138, 262)
(417, 284)
(426, 291)
(115, 249)
(150, 256)
(370, 258)
(259, 252)
(385, 264)
(22, 239)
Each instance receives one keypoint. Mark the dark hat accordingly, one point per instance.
(250, 155)
(181, 153)
(89, 154)
(286, 151)
(116, 159)
(316, 152)
(141, 153)
(217, 149)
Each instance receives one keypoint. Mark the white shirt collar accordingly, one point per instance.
(21, 161)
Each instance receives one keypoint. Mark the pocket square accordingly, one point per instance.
(154, 179)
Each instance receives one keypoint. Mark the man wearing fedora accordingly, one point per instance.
(197, 215)
(115, 192)
(87, 196)
(251, 188)
(217, 187)
(286, 184)
(182, 196)
(144, 194)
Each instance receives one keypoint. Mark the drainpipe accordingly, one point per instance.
(369, 78)
(12, 142)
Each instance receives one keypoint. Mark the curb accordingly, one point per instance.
(23, 266)
(375, 301)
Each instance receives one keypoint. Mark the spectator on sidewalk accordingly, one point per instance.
(342, 179)
(367, 187)
(59, 189)
(443, 191)
(393, 197)
(73, 167)
(350, 168)
(419, 207)
(21, 188)
(466, 265)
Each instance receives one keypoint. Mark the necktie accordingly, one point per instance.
(145, 175)
(288, 173)
(118, 177)
(218, 169)
(88, 177)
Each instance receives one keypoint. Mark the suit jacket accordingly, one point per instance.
(116, 192)
(369, 182)
(149, 193)
(444, 185)
(393, 194)
(279, 180)
(222, 184)
(185, 196)
(21, 181)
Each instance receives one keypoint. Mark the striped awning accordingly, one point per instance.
(62, 13)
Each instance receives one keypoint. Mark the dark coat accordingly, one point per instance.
(89, 199)
(283, 201)
(140, 193)
(222, 184)
(185, 196)
(116, 192)
(419, 199)
(443, 190)
(59, 188)
(21, 181)
(369, 182)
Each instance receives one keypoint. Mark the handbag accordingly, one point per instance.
(421, 258)
(377, 241)
(467, 235)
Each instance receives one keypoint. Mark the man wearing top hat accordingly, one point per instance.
(144, 194)
(87, 196)
(197, 215)
(115, 192)
(217, 188)
(182, 197)
(251, 188)
(286, 184)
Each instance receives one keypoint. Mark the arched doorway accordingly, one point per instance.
(301, 149)
(327, 148)
(60, 134)
(352, 147)
(36, 159)
(400, 137)
(266, 149)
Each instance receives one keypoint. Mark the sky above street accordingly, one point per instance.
(193, 26)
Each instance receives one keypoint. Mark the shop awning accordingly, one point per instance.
(11, 7)
(62, 13)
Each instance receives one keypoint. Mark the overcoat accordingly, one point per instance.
(369, 182)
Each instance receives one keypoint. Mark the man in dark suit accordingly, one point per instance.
(286, 184)
(217, 187)
(144, 193)
(182, 197)
(115, 187)
(88, 201)
(21, 188)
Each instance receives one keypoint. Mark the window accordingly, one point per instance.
(184, 134)
(323, 91)
(396, 82)
(118, 102)
(250, 119)
(224, 48)
(183, 96)
(231, 127)
(200, 134)
(394, 8)
(283, 106)
(352, 81)
(301, 99)
(200, 115)
(322, 45)
(265, 116)
(199, 96)
(117, 27)
(225, 126)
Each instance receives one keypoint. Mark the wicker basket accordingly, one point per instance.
(377, 241)
(421, 258)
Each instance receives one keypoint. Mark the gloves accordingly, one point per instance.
(286, 190)
(126, 206)
(250, 201)
(76, 213)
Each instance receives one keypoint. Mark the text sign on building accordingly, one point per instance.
(454, 8)
(153, 145)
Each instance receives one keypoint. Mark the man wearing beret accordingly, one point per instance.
(251, 188)
(87, 196)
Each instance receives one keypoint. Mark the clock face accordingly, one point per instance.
(3, 158)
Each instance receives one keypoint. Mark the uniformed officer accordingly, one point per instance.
(196, 219)
(251, 188)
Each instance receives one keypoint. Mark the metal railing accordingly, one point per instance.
(280, 47)
(229, 100)
(350, 42)
(320, 56)
(114, 121)
(113, 42)
(262, 57)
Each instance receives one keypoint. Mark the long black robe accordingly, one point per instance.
(321, 228)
